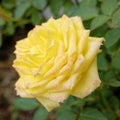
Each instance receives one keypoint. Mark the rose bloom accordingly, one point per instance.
(57, 59)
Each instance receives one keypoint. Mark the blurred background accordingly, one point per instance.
(102, 17)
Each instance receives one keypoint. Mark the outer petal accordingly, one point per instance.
(21, 89)
(88, 82)
(90, 51)
(48, 104)
(57, 96)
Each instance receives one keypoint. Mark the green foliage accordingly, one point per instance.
(103, 18)
(116, 19)
(88, 3)
(109, 6)
(56, 5)
(65, 114)
(116, 61)
(25, 103)
(41, 114)
(39, 4)
(102, 62)
(112, 38)
(91, 114)
(99, 21)
(85, 12)
(21, 9)
(113, 83)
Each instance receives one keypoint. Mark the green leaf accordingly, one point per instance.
(101, 0)
(35, 18)
(106, 92)
(25, 103)
(113, 49)
(102, 62)
(65, 115)
(8, 4)
(116, 61)
(100, 31)
(99, 21)
(114, 102)
(39, 4)
(67, 5)
(86, 13)
(113, 83)
(91, 114)
(109, 75)
(111, 115)
(88, 3)
(41, 114)
(116, 19)
(10, 30)
(21, 9)
(56, 5)
(73, 101)
(2, 21)
(112, 37)
(108, 6)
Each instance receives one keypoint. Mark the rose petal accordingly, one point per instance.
(89, 81)
(48, 104)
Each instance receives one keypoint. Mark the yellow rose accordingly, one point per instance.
(56, 60)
